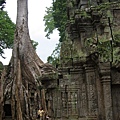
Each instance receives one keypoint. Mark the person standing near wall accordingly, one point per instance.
(41, 114)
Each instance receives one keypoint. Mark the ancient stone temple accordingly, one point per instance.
(87, 86)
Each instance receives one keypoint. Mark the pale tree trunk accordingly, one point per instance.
(25, 67)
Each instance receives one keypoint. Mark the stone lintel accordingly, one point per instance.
(105, 79)
(104, 70)
(89, 68)
(88, 118)
(72, 69)
(78, 70)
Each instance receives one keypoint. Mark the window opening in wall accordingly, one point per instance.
(7, 110)
(32, 94)
(32, 100)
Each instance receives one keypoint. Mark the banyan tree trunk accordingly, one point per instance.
(24, 68)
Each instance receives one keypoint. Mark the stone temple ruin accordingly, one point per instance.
(84, 86)
(87, 88)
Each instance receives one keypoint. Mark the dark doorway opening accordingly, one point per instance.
(116, 101)
(7, 110)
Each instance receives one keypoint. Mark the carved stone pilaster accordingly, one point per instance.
(91, 91)
(79, 78)
(106, 81)
(101, 113)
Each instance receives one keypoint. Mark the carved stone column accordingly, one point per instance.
(91, 92)
(83, 95)
(101, 113)
(106, 81)
(78, 77)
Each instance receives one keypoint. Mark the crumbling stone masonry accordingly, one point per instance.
(87, 88)
(84, 86)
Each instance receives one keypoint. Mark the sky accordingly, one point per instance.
(36, 12)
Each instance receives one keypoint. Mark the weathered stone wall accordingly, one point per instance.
(87, 87)
(85, 91)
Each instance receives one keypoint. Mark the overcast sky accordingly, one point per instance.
(36, 13)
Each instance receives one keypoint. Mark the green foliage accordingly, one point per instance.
(60, 17)
(102, 46)
(54, 58)
(116, 47)
(108, 49)
(116, 35)
(116, 55)
(56, 18)
(85, 14)
(104, 49)
(34, 43)
(7, 28)
(2, 2)
(49, 22)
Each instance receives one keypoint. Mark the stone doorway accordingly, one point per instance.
(116, 101)
(7, 110)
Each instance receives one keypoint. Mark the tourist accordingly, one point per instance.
(40, 113)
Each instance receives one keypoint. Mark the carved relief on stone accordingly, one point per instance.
(91, 91)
